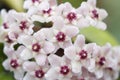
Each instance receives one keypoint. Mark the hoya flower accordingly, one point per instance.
(14, 63)
(28, 4)
(93, 14)
(7, 19)
(43, 12)
(22, 25)
(34, 71)
(60, 68)
(68, 13)
(36, 49)
(62, 33)
(8, 38)
(80, 55)
(104, 61)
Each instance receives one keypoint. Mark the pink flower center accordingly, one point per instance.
(60, 37)
(95, 14)
(64, 70)
(39, 73)
(83, 54)
(23, 25)
(102, 61)
(14, 64)
(35, 1)
(71, 16)
(47, 11)
(36, 47)
(5, 25)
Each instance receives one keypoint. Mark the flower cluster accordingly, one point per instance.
(47, 51)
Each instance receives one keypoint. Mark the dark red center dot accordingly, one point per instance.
(60, 37)
(35, 1)
(8, 40)
(23, 25)
(71, 16)
(102, 61)
(83, 54)
(47, 11)
(14, 64)
(39, 73)
(36, 47)
(95, 14)
(5, 26)
(64, 70)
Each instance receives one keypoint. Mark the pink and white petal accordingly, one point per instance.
(56, 47)
(90, 47)
(32, 11)
(48, 47)
(19, 74)
(71, 31)
(53, 2)
(80, 41)
(19, 51)
(39, 35)
(28, 77)
(106, 48)
(58, 22)
(102, 14)
(27, 4)
(26, 54)
(41, 59)
(29, 66)
(6, 64)
(44, 5)
(99, 73)
(92, 2)
(51, 74)
(76, 67)
(3, 13)
(67, 44)
(68, 7)
(82, 23)
(8, 51)
(25, 40)
(54, 60)
(70, 52)
(101, 25)
(48, 33)
(30, 30)
(91, 65)
(38, 18)
(59, 9)
(83, 9)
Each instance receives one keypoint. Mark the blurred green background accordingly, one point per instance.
(112, 34)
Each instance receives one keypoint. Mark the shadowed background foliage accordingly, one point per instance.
(112, 34)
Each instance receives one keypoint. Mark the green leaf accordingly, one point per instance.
(98, 36)
(6, 76)
(15, 4)
(75, 3)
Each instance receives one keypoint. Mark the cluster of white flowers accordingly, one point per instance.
(48, 52)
